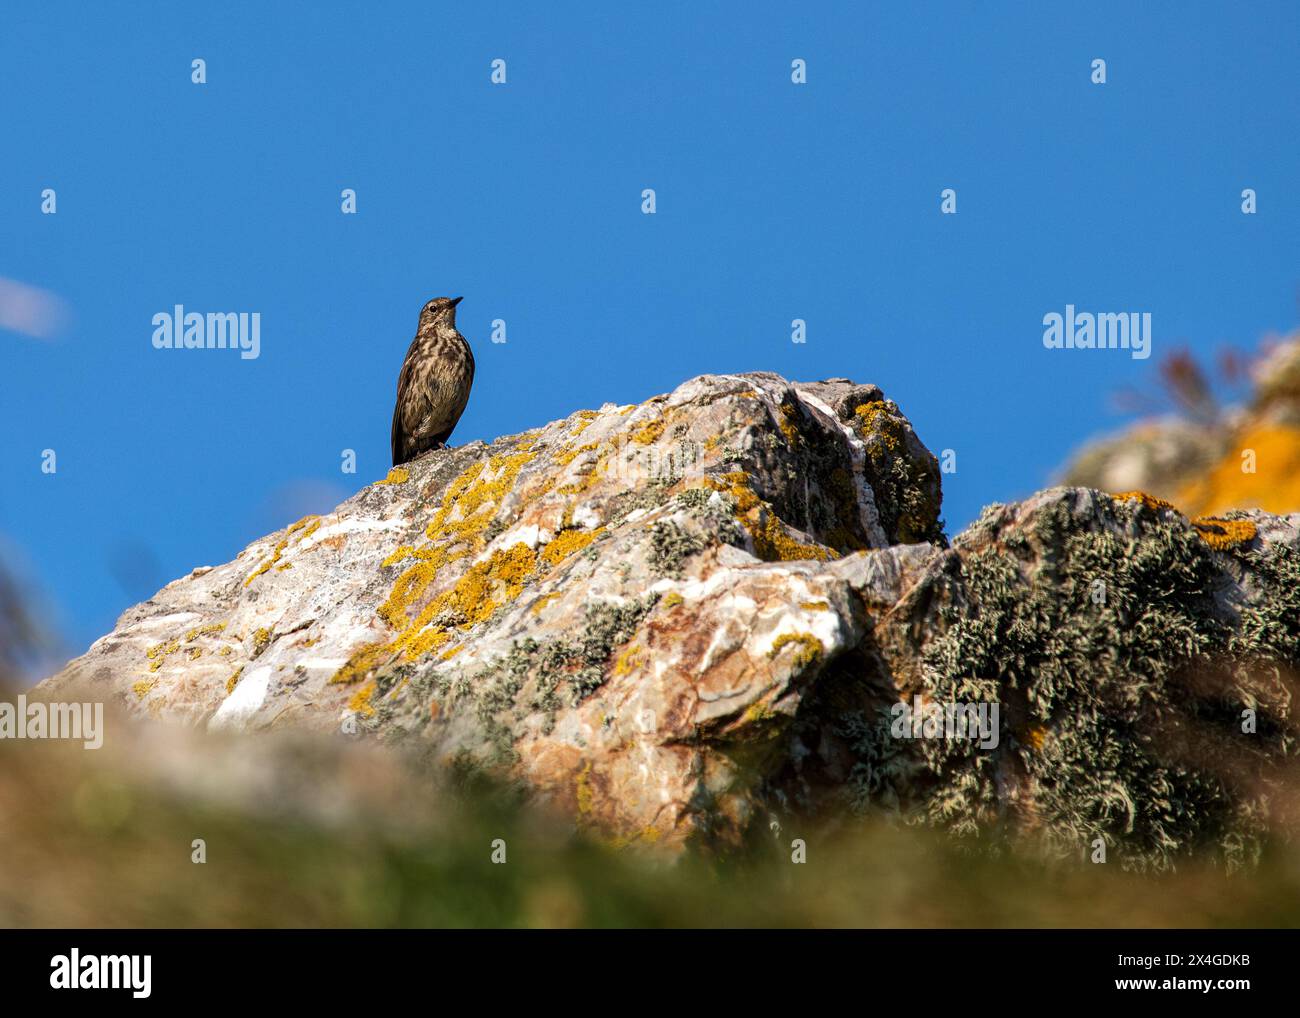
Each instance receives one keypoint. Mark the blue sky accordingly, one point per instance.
(775, 202)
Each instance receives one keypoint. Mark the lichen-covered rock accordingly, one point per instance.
(697, 618)
(1143, 665)
(604, 608)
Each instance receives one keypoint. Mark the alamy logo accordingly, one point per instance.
(934, 720)
(76, 721)
(181, 330)
(1083, 330)
(73, 971)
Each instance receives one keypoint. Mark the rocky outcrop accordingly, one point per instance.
(698, 619)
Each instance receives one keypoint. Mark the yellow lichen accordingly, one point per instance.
(809, 652)
(464, 512)
(629, 660)
(566, 542)
(588, 477)
(142, 687)
(396, 475)
(261, 640)
(771, 542)
(585, 417)
(159, 652)
(305, 527)
(583, 791)
(540, 604)
(649, 432)
(569, 455)
(1222, 535)
(815, 606)
(648, 835)
(233, 681)
(876, 419)
(198, 631)
(362, 661)
(360, 701)
(789, 414)
(481, 589)
(457, 530)
(672, 600)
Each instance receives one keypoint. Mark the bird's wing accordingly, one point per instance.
(398, 439)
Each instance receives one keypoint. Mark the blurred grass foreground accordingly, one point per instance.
(311, 832)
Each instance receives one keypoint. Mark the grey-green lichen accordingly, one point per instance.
(1121, 680)
(671, 546)
(533, 676)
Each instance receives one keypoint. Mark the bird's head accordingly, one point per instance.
(439, 311)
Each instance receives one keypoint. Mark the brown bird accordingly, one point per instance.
(434, 385)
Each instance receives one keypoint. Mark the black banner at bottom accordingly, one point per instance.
(339, 967)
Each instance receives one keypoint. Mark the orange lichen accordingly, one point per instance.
(1221, 535)
(1148, 501)
(1273, 451)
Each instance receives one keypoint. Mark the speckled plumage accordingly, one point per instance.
(434, 384)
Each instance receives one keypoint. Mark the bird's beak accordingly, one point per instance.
(456, 300)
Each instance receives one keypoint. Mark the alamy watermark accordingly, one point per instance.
(1083, 330)
(75, 971)
(223, 330)
(82, 722)
(934, 720)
